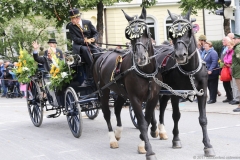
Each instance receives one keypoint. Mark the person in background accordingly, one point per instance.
(41, 52)
(202, 39)
(227, 60)
(211, 59)
(231, 36)
(225, 41)
(236, 64)
(235, 90)
(4, 88)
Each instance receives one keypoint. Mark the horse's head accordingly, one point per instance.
(138, 33)
(181, 34)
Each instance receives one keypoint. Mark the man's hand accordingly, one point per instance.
(92, 39)
(89, 41)
(35, 45)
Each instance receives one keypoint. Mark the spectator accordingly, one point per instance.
(4, 88)
(231, 35)
(236, 64)
(227, 60)
(41, 52)
(211, 59)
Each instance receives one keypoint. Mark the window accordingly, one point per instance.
(168, 23)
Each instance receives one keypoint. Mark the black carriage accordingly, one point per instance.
(71, 101)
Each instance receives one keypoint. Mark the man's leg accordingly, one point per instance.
(86, 55)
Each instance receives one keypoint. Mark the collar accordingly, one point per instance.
(80, 22)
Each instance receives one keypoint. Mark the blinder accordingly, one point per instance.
(136, 29)
(179, 28)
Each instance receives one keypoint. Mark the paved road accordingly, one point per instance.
(19, 139)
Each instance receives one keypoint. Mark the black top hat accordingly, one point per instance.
(52, 41)
(74, 13)
(236, 36)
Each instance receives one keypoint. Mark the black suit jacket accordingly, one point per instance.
(43, 60)
(89, 31)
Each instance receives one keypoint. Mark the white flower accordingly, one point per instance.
(64, 74)
(25, 69)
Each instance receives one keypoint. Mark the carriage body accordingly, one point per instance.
(67, 101)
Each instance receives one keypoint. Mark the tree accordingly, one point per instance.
(204, 4)
(58, 9)
(24, 31)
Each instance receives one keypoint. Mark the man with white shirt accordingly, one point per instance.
(83, 35)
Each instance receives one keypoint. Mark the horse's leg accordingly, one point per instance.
(118, 108)
(107, 116)
(162, 107)
(154, 130)
(143, 126)
(176, 143)
(208, 149)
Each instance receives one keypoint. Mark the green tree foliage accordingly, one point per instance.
(204, 4)
(58, 9)
(23, 30)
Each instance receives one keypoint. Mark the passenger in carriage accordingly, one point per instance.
(46, 61)
(53, 44)
(83, 35)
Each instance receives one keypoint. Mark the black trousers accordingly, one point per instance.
(228, 89)
(87, 57)
(213, 88)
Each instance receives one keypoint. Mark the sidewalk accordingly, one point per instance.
(218, 107)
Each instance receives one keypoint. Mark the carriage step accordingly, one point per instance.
(87, 100)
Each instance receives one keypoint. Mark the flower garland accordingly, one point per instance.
(60, 73)
(26, 66)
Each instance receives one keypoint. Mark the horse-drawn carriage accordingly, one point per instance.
(68, 101)
(139, 69)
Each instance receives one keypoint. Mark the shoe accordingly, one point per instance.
(211, 101)
(233, 102)
(236, 110)
(87, 83)
(230, 101)
(226, 100)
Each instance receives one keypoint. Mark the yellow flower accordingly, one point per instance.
(19, 70)
(24, 62)
(57, 71)
(21, 52)
(20, 64)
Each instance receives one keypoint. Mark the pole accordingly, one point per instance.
(237, 17)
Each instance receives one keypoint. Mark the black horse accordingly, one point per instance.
(137, 70)
(184, 70)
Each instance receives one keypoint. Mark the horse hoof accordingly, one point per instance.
(176, 144)
(114, 145)
(152, 157)
(163, 136)
(154, 134)
(209, 152)
(118, 138)
(141, 150)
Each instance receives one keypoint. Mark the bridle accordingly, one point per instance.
(178, 29)
(135, 30)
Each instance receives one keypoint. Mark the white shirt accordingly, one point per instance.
(80, 22)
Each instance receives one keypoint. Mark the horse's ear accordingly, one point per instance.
(127, 16)
(172, 17)
(187, 16)
(143, 14)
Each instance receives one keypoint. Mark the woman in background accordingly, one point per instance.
(211, 59)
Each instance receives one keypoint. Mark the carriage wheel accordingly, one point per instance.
(35, 107)
(92, 113)
(73, 112)
(132, 114)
